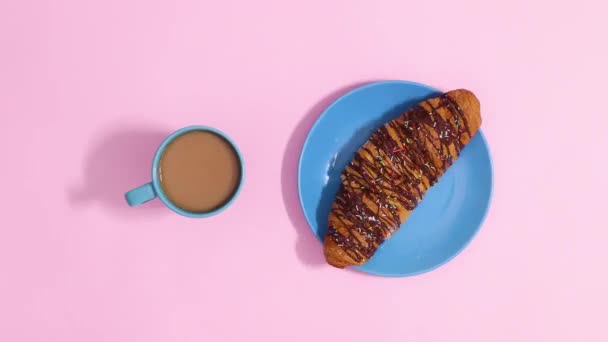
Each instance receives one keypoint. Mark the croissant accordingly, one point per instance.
(390, 174)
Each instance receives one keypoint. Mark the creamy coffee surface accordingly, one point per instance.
(199, 171)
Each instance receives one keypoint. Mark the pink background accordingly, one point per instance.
(89, 88)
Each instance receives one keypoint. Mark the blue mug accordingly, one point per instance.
(152, 190)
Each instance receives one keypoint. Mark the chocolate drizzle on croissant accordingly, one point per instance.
(390, 174)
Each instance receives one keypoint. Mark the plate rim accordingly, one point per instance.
(475, 230)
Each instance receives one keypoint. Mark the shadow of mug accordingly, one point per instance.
(118, 162)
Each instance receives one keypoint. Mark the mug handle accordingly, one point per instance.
(140, 195)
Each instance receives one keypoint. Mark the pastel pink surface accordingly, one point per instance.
(89, 88)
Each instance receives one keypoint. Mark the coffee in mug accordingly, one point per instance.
(199, 171)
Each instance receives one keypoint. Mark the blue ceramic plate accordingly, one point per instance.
(449, 215)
